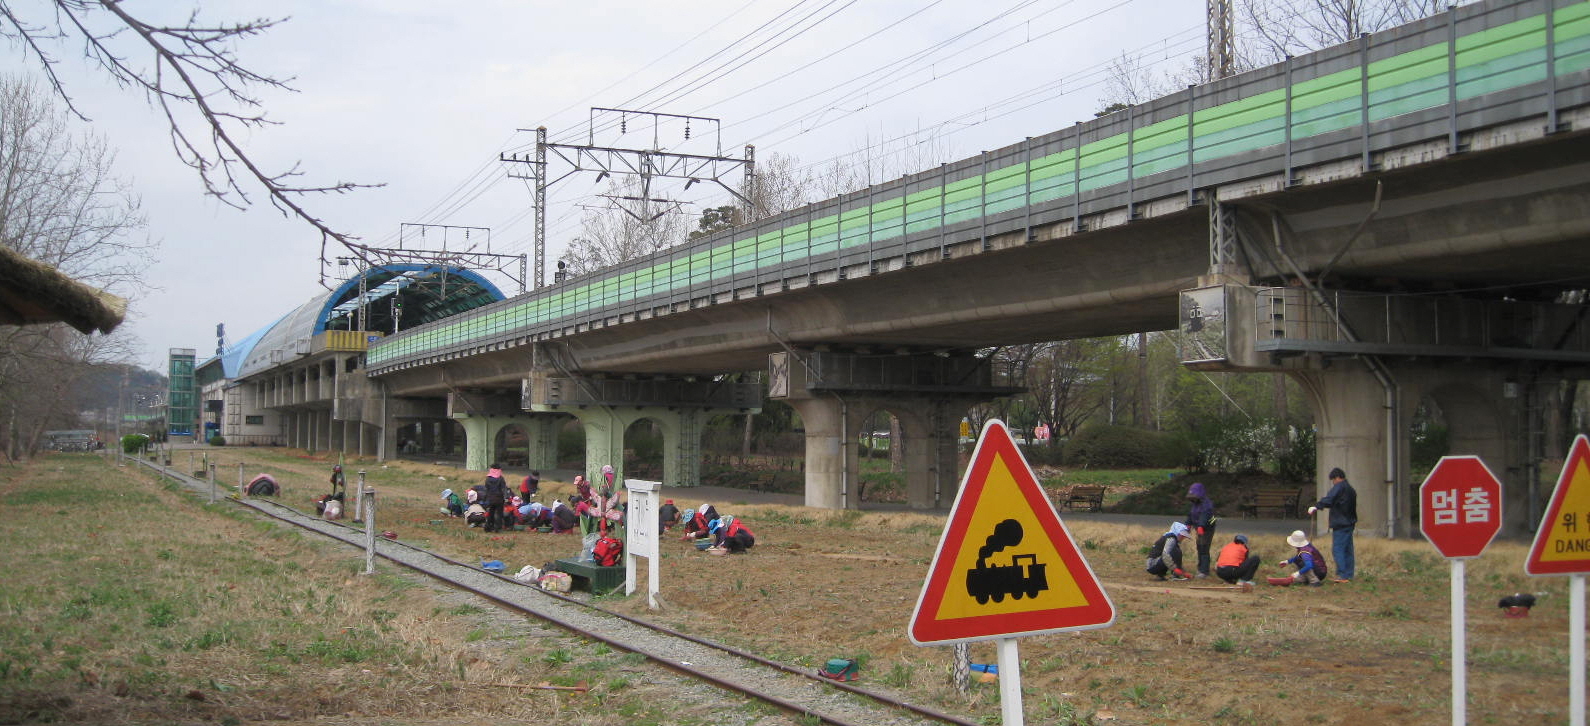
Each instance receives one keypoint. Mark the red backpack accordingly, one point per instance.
(607, 551)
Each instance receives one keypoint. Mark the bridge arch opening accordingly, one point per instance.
(571, 445)
(881, 446)
(643, 450)
(511, 446)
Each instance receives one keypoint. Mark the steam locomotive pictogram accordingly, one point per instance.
(1023, 577)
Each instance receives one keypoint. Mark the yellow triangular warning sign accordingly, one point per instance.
(1006, 565)
(1562, 544)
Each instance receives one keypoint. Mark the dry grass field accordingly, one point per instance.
(818, 585)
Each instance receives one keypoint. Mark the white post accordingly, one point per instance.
(1009, 683)
(212, 483)
(241, 492)
(1576, 650)
(642, 535)
(1459, 646)
(358, 500)
(369, 526)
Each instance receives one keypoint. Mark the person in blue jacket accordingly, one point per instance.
(1308, 560)
(1201, 520)
(1342, 500)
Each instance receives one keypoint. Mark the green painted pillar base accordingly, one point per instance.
(479, 434)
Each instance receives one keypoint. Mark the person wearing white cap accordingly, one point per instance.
(698, 526)
(1310, 563)
(451, 505)
(1165, 557)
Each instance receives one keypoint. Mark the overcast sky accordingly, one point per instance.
(423, 97)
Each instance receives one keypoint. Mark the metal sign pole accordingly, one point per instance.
(1576, 650)
(1009, 683)
(369, 526)
(1459, 645)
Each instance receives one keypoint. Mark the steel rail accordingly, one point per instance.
(295, 517)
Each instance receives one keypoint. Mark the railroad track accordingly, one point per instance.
(796, 690)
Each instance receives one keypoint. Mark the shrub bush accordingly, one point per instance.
(1296, 462)
(1050, 454)
(133, 443)
(1120, 447)
(1232, 443)
(218, 440)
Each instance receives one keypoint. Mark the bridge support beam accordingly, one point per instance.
(836, 393)
(1487, 370)
(929, 428)
(1494, 410)
(681, 428)
(607, 407)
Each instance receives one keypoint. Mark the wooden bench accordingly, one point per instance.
(1091, 497)
(1278, 503)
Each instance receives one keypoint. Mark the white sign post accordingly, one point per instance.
(1460, 512)
(643, 536)
(1562, 547)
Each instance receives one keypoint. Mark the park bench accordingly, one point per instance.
(1088, 496)
(1279, 503)
(592, 576)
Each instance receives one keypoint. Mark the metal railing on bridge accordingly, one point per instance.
(1471, 68)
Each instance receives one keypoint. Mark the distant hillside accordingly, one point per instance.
(99, 389)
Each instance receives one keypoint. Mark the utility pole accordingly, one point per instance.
(1221, 47)
(646, 163)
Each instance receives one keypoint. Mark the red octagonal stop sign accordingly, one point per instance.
(1460, 506)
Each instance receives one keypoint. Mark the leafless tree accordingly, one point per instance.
(191, 71)
(781, 184)
(633, 226)
(1270, 30)
(878, 162)
(60, 204)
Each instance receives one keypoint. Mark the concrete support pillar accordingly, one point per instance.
(681, 431)
(1485, 407)
(387, 438)
(543, 430)
(929, 433)
(604, 438)
(930, 430)
(428, 436)
(830, 452)
(1350, 414)
(682, 447)
(445, 431)
(479, 440)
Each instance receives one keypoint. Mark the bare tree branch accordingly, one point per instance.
(195, 77)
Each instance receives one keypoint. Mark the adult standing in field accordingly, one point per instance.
(531, 486)
(496, 496)
(1342, 500)
(1201, 520)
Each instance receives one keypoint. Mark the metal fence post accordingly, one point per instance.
(241, 492)
(369, 527)
(358, 500)
(212, 483)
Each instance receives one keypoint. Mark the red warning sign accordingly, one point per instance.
(1562, 544)
(1006, 565)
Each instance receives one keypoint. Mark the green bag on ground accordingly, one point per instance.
(841, 669)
